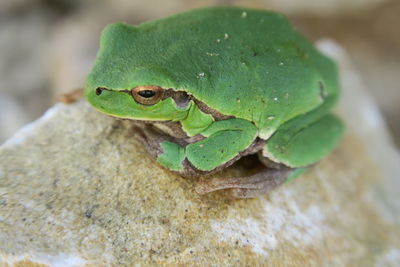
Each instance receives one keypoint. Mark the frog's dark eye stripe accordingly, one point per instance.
(147, 94)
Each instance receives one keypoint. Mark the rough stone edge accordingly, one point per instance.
(20, 137)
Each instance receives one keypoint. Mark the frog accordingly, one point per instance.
(207, 87)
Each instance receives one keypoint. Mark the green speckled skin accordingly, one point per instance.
(249, 64)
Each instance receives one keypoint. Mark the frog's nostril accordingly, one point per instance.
(99, 91)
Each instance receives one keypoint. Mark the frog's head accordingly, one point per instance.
(140, 100)
(124, 83)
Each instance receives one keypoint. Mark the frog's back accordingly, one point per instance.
(247, 63)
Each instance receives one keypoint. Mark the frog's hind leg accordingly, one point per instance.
(302, 142)
(246, 187)
(296, 144)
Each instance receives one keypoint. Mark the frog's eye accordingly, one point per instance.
(147, 94)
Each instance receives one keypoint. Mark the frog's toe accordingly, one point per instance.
(247, 193)
(215, 184)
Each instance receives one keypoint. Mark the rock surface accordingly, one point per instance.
(76, 189)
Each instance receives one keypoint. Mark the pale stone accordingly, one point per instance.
(312, 7)
(77, 189)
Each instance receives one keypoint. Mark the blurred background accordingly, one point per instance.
(48, 46)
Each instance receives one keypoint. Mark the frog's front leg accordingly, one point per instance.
(151, 137)
(218, 146)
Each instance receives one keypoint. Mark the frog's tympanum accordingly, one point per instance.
(210, 86)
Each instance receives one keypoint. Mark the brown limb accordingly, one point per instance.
(246, 187)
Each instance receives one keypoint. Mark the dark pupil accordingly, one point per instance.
(147, 93)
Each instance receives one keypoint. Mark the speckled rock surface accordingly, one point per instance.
(76, 189)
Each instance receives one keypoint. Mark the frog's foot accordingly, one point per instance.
(151, 138)
(246, 187)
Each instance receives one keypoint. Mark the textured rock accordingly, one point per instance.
(77, 189)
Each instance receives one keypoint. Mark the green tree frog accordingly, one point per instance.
(209, 86)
